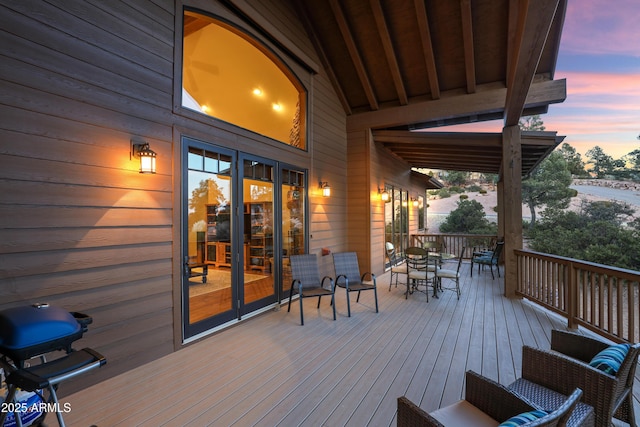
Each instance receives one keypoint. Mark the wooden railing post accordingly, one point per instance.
(572, 296)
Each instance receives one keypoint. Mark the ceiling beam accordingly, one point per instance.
(389, 51)
(304, 17)
(467, 39)
(427, 48)
(353, 53)
(488, 98)
(534, 22)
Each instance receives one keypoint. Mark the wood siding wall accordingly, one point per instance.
(80, 227)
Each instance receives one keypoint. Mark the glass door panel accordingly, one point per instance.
(208, 293)
(293, 221)
(258, 229)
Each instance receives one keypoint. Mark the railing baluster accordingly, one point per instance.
(601, 298)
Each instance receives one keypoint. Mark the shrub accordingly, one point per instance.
(482, 191)
(474, 189)
(464, 197)
(444, 193)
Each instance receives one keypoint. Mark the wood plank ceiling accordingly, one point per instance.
(404, 65)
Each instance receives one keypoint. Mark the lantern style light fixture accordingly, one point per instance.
(146, 155)
(326, 188)
(384, 195)
(415, 201)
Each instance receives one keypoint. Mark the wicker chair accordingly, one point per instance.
(486, 403)
(306, 282)
(348, 276)
(567, 367)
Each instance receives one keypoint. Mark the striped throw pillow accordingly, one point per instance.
(610, 359)
(523, 419)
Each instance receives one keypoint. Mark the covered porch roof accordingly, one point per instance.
(464, 151)
(401, 65)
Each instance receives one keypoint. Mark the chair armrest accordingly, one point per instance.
(577, 346)
(564, 374)
(330, 281)
(372, 277)
(411, 415)
(493, 398)
(337, 281)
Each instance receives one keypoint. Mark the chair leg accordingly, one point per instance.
(348, 304)
(375, 295)
(358, 299)
(290, 296)
(333, 304)
(301, 314)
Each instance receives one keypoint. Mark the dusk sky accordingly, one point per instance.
(600, 58)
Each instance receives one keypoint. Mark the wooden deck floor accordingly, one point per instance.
(271, 371)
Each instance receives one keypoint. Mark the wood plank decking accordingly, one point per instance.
(271, 371)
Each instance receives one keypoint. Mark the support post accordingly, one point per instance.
(512, 199)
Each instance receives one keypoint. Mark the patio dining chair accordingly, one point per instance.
(603, 371)
(306, 281)
(486, 403)
(348, 277)
(396, 262)
(420, 270)
(491, 259)
(454, 275)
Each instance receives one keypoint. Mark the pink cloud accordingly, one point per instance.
(602, 27)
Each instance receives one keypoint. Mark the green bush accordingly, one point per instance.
(474, 188)
(456, 189)
(464, 197)
(443, 193)
(482, 191)
(468, 218)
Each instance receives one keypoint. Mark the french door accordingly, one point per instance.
(243, 216)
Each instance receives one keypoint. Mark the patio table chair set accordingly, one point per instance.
(308, 283)
(423, 266)
(581, 381)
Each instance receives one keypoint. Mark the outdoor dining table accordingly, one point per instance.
(439, 258)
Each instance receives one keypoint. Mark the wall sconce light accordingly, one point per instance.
(415, 202)
(326, 188)
(384, 195)
(146, 155)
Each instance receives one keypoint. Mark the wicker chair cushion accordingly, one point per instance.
(610, 359)
(463, 414)
(523, 419)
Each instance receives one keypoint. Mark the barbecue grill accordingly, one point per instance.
(29, 332)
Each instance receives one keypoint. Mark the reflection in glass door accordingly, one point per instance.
(258, 225)
(293, 223)
(208, 293)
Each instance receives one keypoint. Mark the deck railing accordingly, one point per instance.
(603, 299)
(453, 243)
(598, 297)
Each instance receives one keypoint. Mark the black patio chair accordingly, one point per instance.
(306, 281)
(396, 262)
(491, 259)
(420, 270)
(348, 277)
(454, 275)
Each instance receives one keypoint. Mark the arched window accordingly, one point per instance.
(230, 76)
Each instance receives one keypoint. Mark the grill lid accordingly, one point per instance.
(33, 325)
